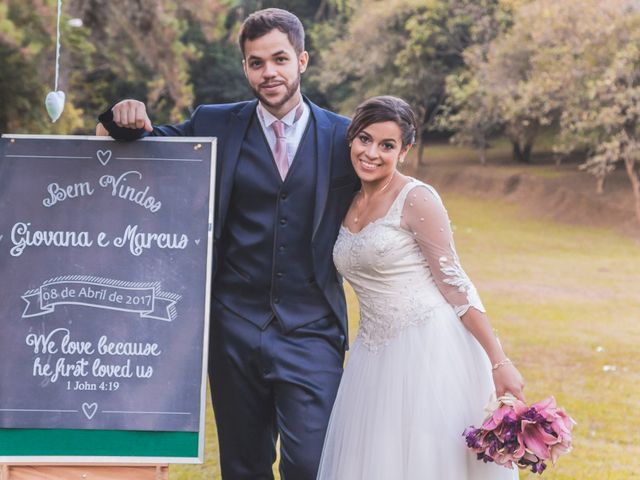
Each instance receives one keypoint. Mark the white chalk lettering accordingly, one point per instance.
(102, 240)
(100, 369)
(74, 369)
(138, 242)
(60, 194)
(22, 237)
(119, 188)
(105, 347)
(50, 343)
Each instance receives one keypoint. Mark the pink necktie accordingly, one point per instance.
(280, 153)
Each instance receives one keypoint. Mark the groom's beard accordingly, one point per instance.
(291, 89)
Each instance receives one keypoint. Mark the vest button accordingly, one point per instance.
(283, 221)
(279, 274)
(283, 196)
(276, 300)
(281, 248)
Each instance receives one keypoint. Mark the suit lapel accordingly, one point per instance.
(238, 125)
(324, 137)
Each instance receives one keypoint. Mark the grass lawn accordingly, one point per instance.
(565, 301)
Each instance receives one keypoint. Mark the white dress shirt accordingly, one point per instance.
(293, 130)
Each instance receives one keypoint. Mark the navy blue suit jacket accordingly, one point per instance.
(336, 179)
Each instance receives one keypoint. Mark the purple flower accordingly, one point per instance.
(527, 436)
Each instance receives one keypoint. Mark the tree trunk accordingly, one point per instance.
(600, 184)
(522, 154)
(423, 118)
(517, 153)
(483, 152)
(526, 153)
(421, 146)
(634, 177)
(322, 10)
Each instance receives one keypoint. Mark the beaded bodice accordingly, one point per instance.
(403, 266)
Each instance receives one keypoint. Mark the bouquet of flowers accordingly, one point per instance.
(525, 435)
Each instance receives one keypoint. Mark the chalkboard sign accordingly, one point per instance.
(105, 255)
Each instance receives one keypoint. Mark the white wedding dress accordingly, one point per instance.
(416, 377)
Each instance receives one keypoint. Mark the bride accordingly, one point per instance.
(425, 360)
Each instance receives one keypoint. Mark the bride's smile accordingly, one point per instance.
(375, 153)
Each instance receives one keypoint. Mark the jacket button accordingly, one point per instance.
(279, 274)
(276, 300)
(281, 248)
(283, 196)
(283, 221)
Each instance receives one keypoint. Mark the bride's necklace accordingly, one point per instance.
(358, 212)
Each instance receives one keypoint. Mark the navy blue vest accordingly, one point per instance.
(266, 266)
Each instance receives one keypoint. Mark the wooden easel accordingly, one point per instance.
(83, 472)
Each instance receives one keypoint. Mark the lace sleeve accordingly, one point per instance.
(425, 217)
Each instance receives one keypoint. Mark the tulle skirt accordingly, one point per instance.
(401, 410)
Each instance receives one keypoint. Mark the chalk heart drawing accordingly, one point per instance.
(197, 240)
(89, 409)
(104, 156)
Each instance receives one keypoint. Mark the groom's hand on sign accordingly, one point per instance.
(101, 131)
(131, 114)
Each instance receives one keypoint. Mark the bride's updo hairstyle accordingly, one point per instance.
(384, 109)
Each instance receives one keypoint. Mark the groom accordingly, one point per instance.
(283, 183)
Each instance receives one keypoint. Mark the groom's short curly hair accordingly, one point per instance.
(263, 21)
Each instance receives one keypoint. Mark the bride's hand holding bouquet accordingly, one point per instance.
(507, 379)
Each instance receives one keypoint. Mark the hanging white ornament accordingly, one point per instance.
(55, 100)
(55, 104)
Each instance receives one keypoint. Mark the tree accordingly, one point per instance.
(585, 122)
(502, 87)
(528, 73)
(356, 61)
(139, 52)
(469, 108)
(27, 56)
(405, 48)
(469, 112)
(610, 124)
(438, 38)
(124, 48)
